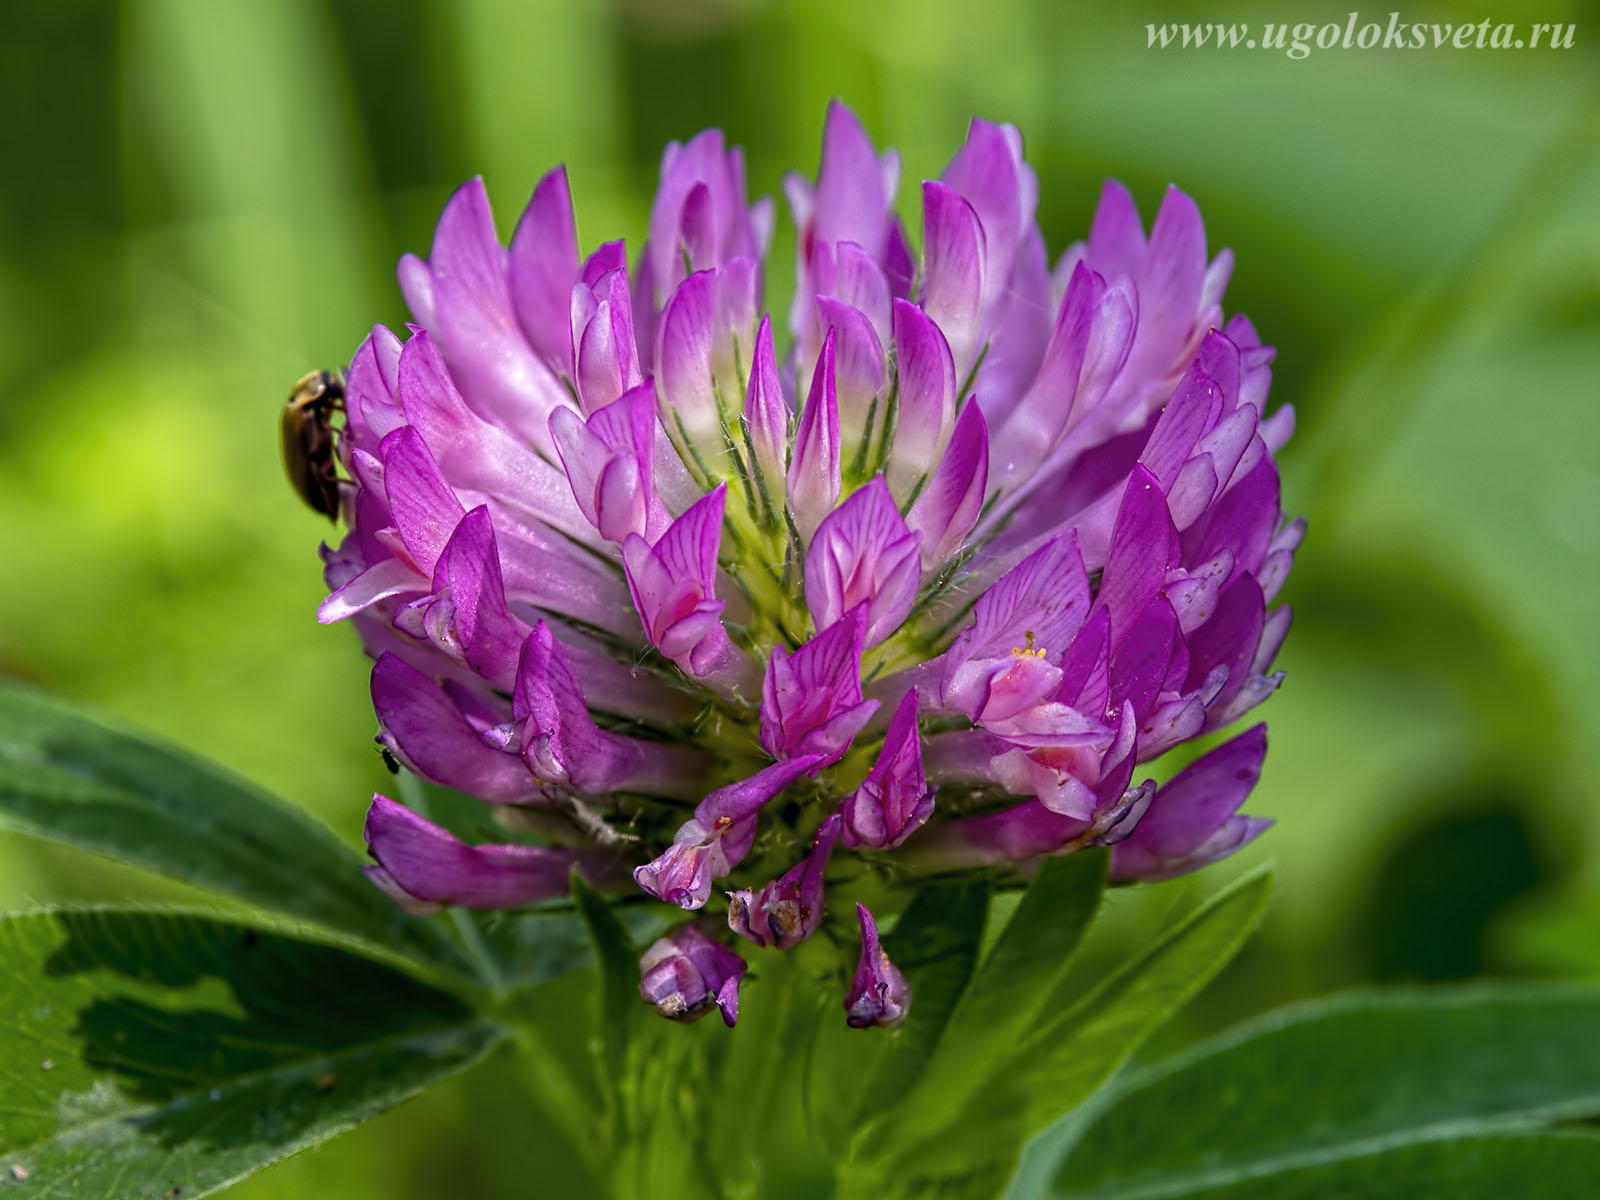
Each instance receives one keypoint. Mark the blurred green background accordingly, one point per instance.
(201, 201)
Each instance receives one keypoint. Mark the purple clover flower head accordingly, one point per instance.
(879, 993)
(923, 583)
(686, 974)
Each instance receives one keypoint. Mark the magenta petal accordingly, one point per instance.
(767, 414)
(424, 506)
(863, 553)
(427, 730)
(859, 375)
(543, 267)
(469, 617)
(927, 397)
(854, 190)
(954, 268)
(811, 700)
(432, 866)
(683, 359)
(673, 585)
(895, 799)
(559, 741)
(814, 470)
(1037, 606)
(1116, 237)
(1191, 821)
(1144, 548)
(952, 501)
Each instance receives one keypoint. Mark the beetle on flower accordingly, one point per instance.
(922, 594)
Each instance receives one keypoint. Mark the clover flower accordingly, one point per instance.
(921, 594)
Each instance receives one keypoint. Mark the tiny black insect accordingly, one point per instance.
(306, 433)
(389, 760)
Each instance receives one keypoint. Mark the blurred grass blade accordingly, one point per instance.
(166, 1054)
(1339, 1078)
(71, 778)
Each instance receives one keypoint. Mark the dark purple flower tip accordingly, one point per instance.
(879, 994)
(686, 974)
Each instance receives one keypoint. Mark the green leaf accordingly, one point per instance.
(1014, 982)
(1526, 1166)
(167, 1054)
(620, 1006)
(935, 943)
(1338, 1078)
(1069, 1056)
(72, 778)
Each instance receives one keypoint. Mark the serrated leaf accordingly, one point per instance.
(167, 1054)
(1337, 1078)
(73, 778)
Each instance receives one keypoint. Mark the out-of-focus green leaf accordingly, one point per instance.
(72, 778)
(1528, 1166)
(167, 1054)
(1339, 1078)
(1070, 1055)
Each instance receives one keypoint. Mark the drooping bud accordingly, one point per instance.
(686, 974)
(788, 910)
(879, 994)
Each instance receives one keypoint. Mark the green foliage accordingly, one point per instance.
(1529, 1166)
(72, 778)
(1013, 989)
(1323, 1096)
(620, 1009)
(167, 1054)
(1067, 1055)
